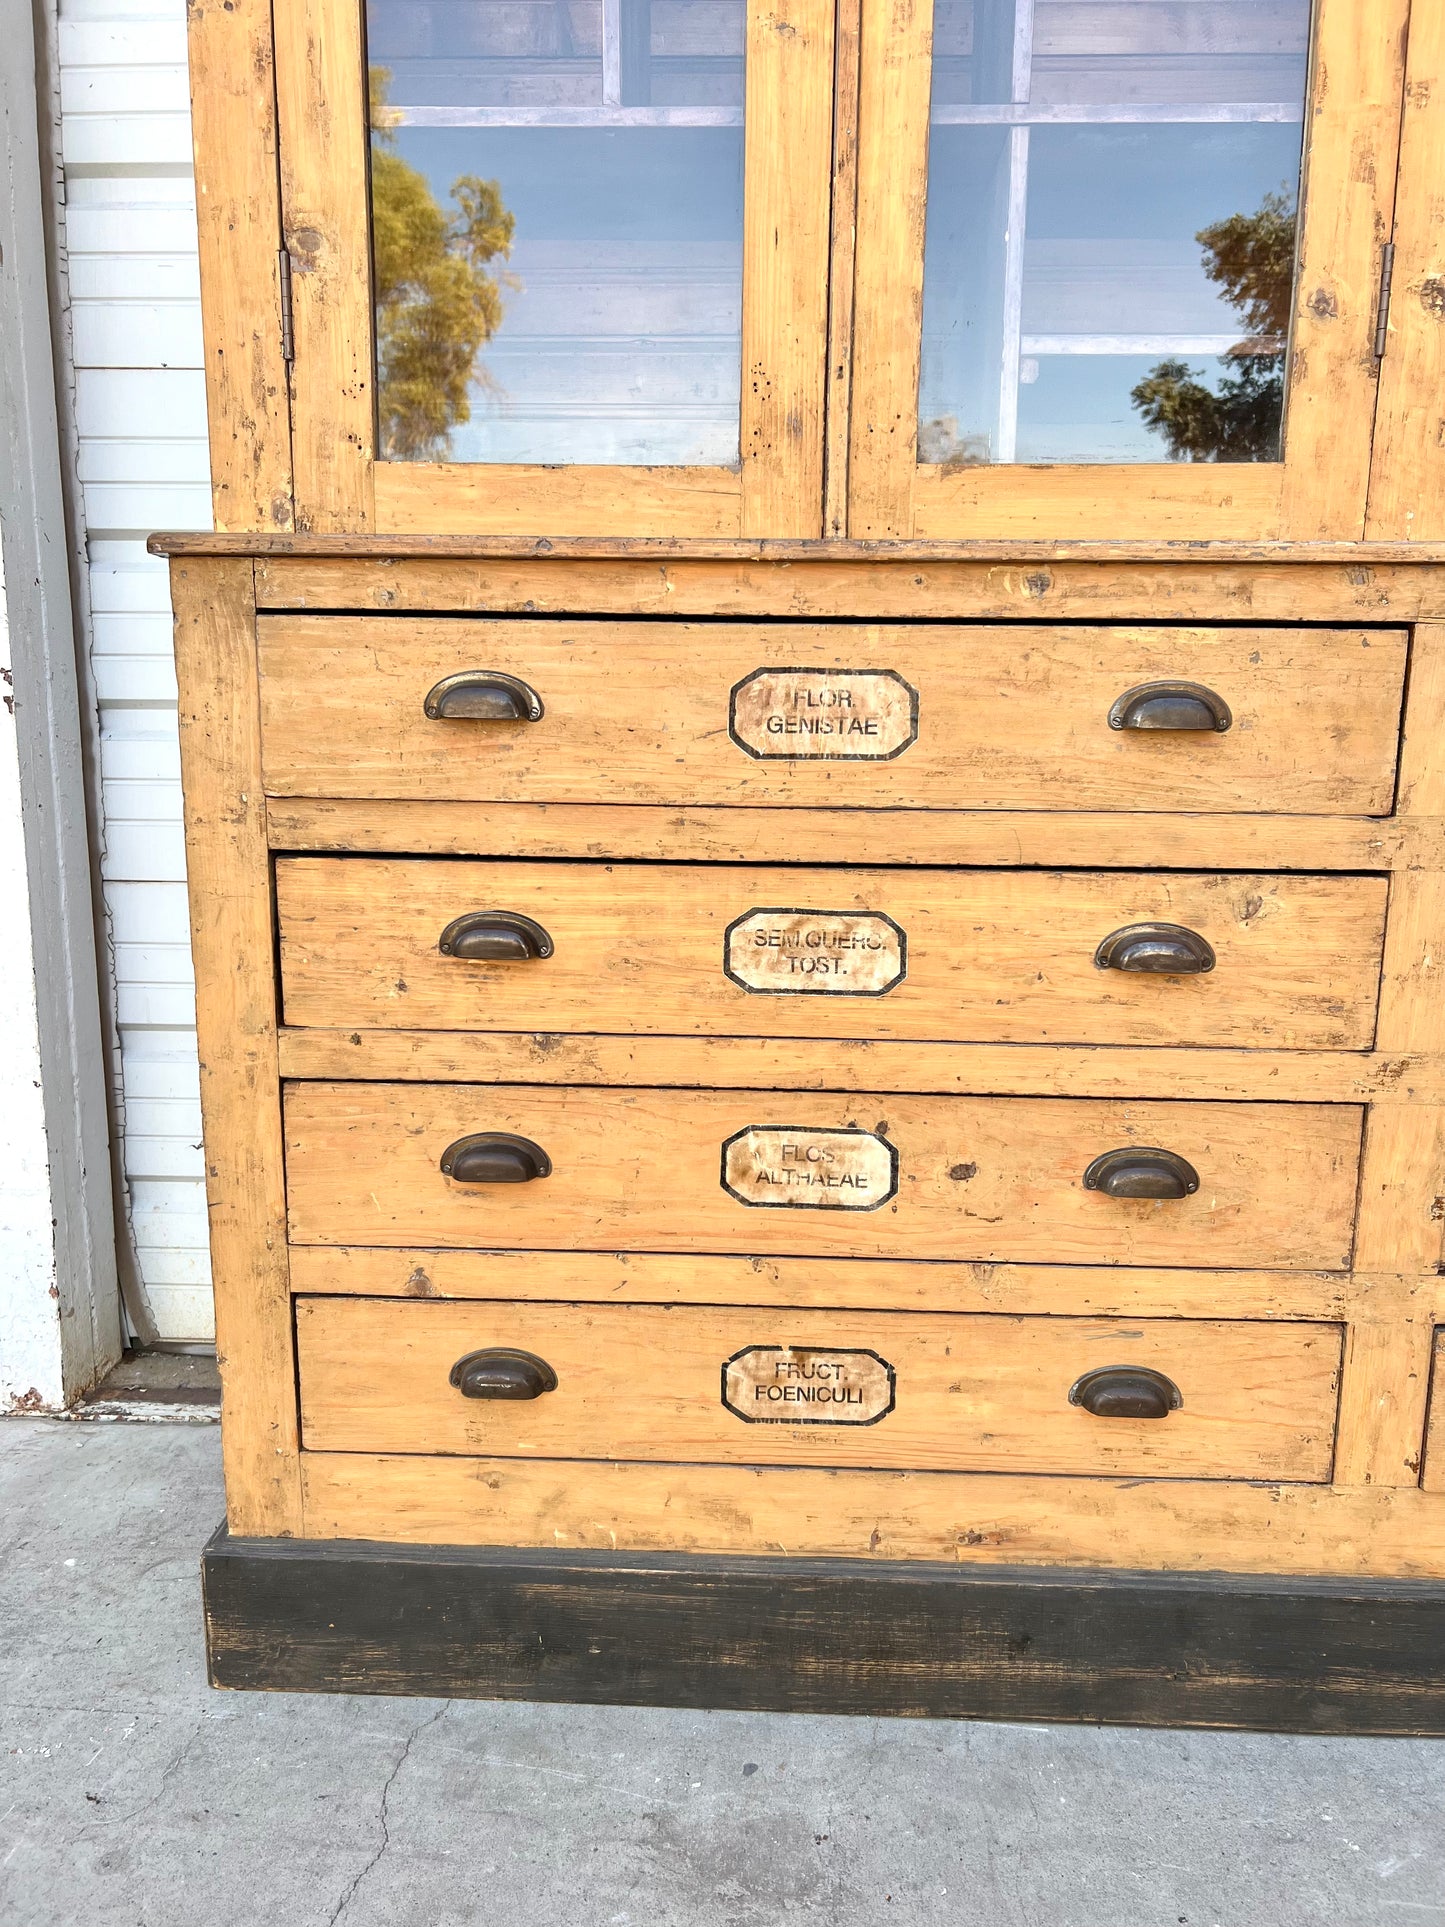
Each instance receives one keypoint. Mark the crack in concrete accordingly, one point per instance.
(173, 1767)
(375, 1860)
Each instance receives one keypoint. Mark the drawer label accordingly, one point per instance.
(849, 715)
(815, 953)
(796, 1169)
(804, 1385)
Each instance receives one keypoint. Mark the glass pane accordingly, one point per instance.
(557, 220)
(1109, 261)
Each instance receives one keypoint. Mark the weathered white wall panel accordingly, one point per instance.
(141, 413)
(31, 1375)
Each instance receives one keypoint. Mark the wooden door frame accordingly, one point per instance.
(320, 153)
(1318, 491)
(1407, 479)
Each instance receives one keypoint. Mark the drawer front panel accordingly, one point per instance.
(753, 1385)
(983, 955)
(934, 716)
(818, 1175)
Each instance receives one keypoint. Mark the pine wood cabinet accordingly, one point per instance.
(816, 834)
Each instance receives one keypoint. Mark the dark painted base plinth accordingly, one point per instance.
(827, 1636)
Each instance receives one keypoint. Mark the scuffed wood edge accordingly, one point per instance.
(895, 1285)
(233, 942)
(800, 1064)
(987, 1642)
(562, 548)
(972, 1519)
(953, 839)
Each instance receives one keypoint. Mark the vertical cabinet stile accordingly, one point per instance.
(1407, 483)
(321, 98)
(232, 941)
(234, 133)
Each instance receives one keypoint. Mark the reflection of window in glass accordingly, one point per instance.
(556, 197)
(1109, 260)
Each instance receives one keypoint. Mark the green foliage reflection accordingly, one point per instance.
(438, 298)
(1251, 257)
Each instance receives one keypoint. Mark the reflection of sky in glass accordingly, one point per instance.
(1033, 341)
(621, 341)
(614, 129)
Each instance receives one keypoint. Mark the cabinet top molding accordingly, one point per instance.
(674, 548)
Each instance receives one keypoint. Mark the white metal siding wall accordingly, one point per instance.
(31, 1378)
(141, 413)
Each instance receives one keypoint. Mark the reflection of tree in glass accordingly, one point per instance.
(1250, 256)
(436, 304)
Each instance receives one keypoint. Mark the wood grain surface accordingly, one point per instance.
(864, 581)
(951, 1070)
(995, 956)
(784, 1634)
(1007, 718)
(238, 222)
(1407, 479)
(968, 1393)
(233, 943)
(961, 1518)
(877, 1284)
(988, 1178)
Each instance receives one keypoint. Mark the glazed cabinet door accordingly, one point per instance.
(557, 266)
(1118, 265)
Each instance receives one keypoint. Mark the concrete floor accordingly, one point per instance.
(133, 1796)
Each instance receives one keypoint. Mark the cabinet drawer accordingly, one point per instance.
(937, 716)
(985, 955)
(819, 1175)
(757, 1386)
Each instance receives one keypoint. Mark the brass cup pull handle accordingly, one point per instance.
(495, 1157)
(1140, 1171)
(1170, 705)
(500, 1372)
(483, 696)
(1126, 1391)
(1156, 949)
(494, 936)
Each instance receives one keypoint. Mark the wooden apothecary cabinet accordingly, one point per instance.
(817, 847)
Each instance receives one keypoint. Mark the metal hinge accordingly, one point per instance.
(1382, 311)
(288, 333)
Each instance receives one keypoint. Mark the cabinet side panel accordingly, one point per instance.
(233, 943)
